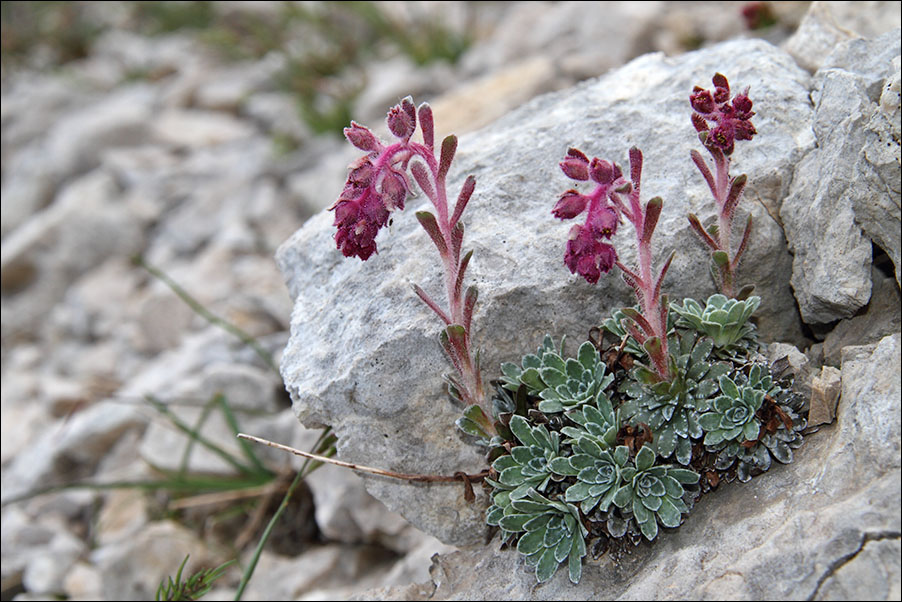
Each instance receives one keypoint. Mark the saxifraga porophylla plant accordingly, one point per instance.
(578, 446)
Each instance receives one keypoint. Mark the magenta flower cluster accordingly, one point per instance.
(730, 119)
(588, 252)
(376, 184)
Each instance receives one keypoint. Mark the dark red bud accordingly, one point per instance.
(720, 81)
(399, 123)
(699, 123)
(702, 101)
(575, 153)
(361, 137)
(571, 204)
(576, 169)
(601, 171)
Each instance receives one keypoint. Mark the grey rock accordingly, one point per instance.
(363, 356)
(879, 215)
(133, 568)
(46, 571)
(873, 571)
(827, 24)
(65, 453)
(832, 185)
(71, 147)
(825, 526)
(346, 513)
(83, 227)
(880, 318)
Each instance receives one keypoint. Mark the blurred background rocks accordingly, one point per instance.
(199, 136)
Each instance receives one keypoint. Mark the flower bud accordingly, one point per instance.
(399, 123)
(702, 101)
(361, 137)
(394, 190)
(576, 165)
(569, 205)
(601, 171)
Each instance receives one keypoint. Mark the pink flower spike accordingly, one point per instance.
(571, 204)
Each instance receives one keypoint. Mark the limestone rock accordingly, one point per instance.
(880, 318)
(825, 390)
(363, 356)
(830, 23)
(832, 185)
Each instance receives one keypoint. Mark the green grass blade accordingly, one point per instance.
(179, 424)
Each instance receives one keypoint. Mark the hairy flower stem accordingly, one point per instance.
(649, 326)
(378, 183)
(727, 193)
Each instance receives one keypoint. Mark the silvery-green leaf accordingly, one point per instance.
(714, 437)
(680, 425)
(574, 369)
(695, 430)
(641, 513)
(710, 421)
(547, 566)
(684, 451)
(521, 491)
(728, 387)
(666, 441)
(514, 522)
(552, 376)
(523, 454)
(645, 458)
(684, 476)
(562, 466)
(651, 502)
(621, 455)
(605, 502)
(562, 549)
(531, 378)
(669, 515)
(553, 536)
(672, 486)
(537, 522)
(493, 515)
(531, 542)
(528, 506)
(782, 452)
(649, 529)
(750, 430)
(718, 370)
(575, 566)
(531, 361)
(623, 496)
(577, 492)
(521, 429)
(550, 407)
(511, 476)
(510, 370)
